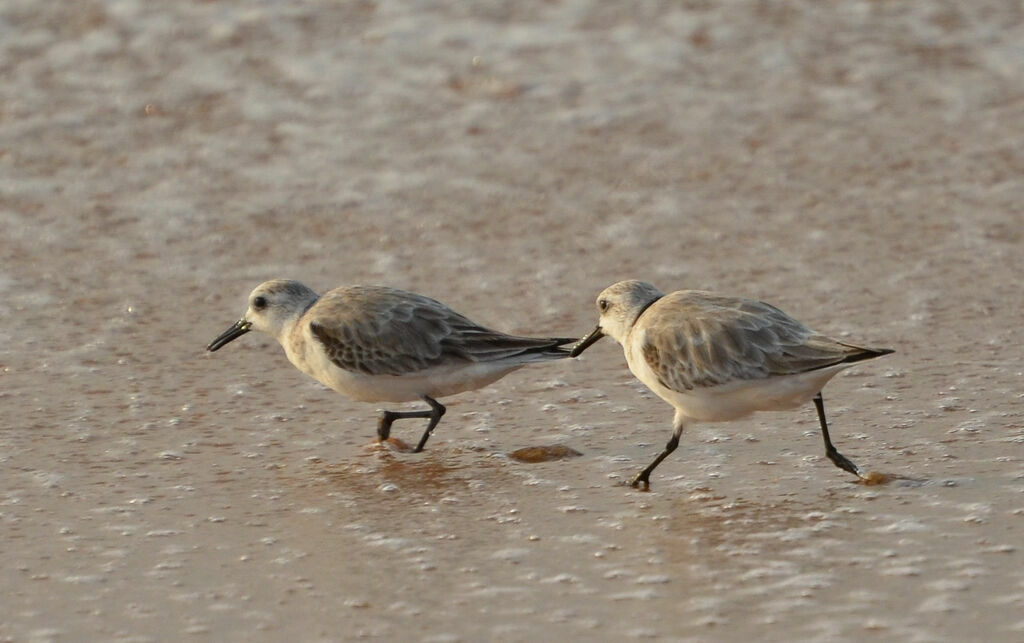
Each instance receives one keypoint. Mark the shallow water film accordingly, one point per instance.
(857, 164)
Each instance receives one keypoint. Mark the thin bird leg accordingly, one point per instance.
(837, 458)
(387, 417)
(435, 413)
(645, 475)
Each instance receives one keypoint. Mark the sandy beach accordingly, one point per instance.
(857, 164)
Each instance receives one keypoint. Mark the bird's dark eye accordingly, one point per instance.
(259, 303)
(603, 304)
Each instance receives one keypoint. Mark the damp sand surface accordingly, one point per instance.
(857, 164)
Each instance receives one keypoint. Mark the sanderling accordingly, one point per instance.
(717, 358)
(377, 344)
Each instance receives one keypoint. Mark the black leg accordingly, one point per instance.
(387, 417)
(435, 413)
(837, 458)
(644, 476)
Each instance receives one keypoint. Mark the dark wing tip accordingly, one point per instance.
(867, 353)
(548, 347)
(554, 346)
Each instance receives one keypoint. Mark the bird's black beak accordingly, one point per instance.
(240, 328)
(585, 343)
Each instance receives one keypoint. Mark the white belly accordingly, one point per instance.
(436, 382)
(740, 398)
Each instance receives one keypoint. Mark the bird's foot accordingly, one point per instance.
(641, 481)
(844, 463)
(383, 428)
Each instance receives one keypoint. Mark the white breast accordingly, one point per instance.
(304, 352)
(739, 398)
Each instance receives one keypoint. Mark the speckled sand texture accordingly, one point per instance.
(858, 164)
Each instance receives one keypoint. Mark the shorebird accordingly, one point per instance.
(377, 344)
(716, 358)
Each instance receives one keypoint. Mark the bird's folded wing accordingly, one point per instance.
(717, 340)
(377, 331)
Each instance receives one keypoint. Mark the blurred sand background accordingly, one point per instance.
(856, 163)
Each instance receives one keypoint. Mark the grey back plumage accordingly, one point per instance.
(694, 339)
(383, 331)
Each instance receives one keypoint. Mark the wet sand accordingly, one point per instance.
(857, 164)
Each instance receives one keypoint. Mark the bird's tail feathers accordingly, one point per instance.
(860, 353)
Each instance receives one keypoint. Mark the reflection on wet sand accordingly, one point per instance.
(416, 476)
(544, 453)
(858, 166)
(872, 478)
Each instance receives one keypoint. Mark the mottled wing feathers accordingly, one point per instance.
(694, 339)
(478, 344)
(382, 331)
